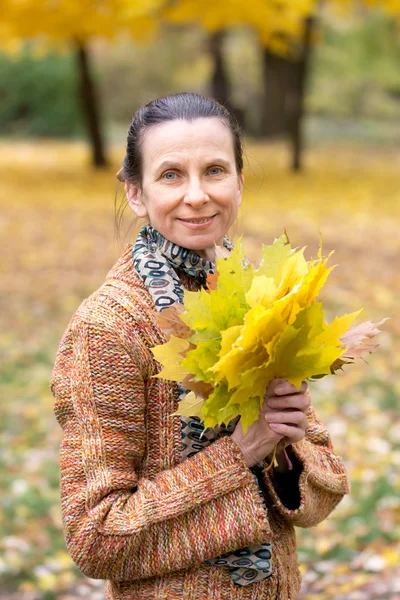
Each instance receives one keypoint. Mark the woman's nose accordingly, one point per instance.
(195, 193)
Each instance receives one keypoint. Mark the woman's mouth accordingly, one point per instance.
(198, 223)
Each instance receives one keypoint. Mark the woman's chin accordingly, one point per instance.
(204, 247)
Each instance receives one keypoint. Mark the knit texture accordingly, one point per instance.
(133, 514)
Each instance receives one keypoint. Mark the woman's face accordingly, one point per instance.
(188, 175)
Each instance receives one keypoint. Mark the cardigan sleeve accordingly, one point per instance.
(117, 524)
(306, 496)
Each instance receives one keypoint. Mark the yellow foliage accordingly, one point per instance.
(70, 21)
(190, 405)
(251, 328)
(166, 353)
(278, 25)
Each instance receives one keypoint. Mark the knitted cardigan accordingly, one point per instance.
(133, 514)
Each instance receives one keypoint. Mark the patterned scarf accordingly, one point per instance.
(158, 262)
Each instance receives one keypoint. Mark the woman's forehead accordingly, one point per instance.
(178, 137)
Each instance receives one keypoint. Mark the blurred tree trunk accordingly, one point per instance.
(285, 86)
(219, 84)
(90, 107)
(220, 88)
(276, 79)
(296, 96)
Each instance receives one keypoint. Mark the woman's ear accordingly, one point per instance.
(134, 195)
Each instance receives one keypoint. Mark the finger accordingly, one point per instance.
(285, 388)
(295, 434)
(297, 401)
(274, 384)
(281, 387)
(295, 417)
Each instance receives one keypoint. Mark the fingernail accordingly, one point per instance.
(279, 389)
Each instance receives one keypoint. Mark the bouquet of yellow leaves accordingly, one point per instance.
(227, 342)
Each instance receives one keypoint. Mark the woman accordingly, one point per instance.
(149, 504)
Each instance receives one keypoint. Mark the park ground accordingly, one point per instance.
(57, 243)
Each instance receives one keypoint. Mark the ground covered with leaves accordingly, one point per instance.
(57, 243)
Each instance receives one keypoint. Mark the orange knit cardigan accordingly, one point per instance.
(133, 514)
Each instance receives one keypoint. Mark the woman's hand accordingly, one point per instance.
(282, 415)
(285, 413)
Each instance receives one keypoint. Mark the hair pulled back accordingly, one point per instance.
(185, 106)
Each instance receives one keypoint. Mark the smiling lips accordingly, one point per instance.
(198, 220)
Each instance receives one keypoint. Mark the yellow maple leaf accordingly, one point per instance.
(262, 291)
(333, 332)
(190, 406)
(228, 338)
(291, 272)
(169, 355)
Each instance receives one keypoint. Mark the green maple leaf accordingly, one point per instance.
(199, 360)
(235, 276)
(274, 256)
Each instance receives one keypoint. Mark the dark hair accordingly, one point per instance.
(183, 106)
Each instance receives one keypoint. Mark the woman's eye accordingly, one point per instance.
(170, 175)
(215, 170)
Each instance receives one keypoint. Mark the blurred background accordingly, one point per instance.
(316, 88)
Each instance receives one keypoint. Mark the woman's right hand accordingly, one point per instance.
(260, 439)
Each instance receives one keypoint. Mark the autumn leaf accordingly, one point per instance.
(354, 341)
(274, 256)
(250, 415)
(170, 356)
(199, 360)
(224, 306)
(213, 409)
(190, 406)
(235, 277)
(262, 291)
(228, 338)
(211, 280)
(200, 388)
(356, 335)
(170, 323)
